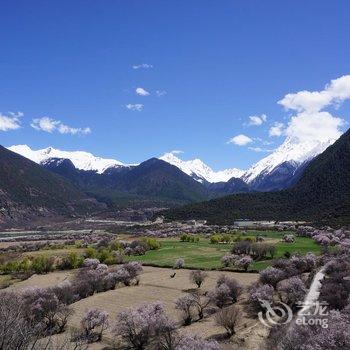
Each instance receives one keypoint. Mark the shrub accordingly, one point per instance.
(260, 250)
(291, 290)
(184, 237)
(228, 318)
(65, 292)
(152, 243)
(128, 251)
(229, 259)
(106, 257)
(43, 264)
(43, 308)
(82, 286)
(127, 273)
(16, 331)
(220, 296)
(185, 304)
(200, 303)
(242, 247)
(116, 245)
(91, 263)
(260, 292)
(72, 261)
(244, 262)
(93, 324)
(300, 337)
(179, 263)
(234, 287)
(138, 327)
(118, 257)
(335, 291)
(226, 239)
(288, 238)
(287, 266)
(272, 276)
(215, 239)
(198, 277)
(91, 253)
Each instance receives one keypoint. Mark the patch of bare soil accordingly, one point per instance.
(43, 281)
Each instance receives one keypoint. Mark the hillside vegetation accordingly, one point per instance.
(322, 195)
(26, 189)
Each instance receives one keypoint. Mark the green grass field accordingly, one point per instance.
(202, 254)
(205, 255)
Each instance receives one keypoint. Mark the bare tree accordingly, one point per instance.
(201, 302)
(228, 318)
(16, 332)
(185, 304)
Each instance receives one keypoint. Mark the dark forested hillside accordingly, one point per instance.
(28, 190)
(322, 194)
(156, 178)
(153, 182)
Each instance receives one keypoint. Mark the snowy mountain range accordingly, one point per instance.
(81, 160)
(200, 171)
(276, 171)
(284, 166)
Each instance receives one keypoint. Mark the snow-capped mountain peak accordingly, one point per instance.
(292, 151)
(81, 160)
(199, 170)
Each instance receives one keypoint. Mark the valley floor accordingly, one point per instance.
(157, 285)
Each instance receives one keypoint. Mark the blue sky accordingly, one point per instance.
(219, 62)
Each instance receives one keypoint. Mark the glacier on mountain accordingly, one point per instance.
(291, 151)
(81, 160)
(200, 171)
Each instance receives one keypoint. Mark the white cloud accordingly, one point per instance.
(11, 121)
(64, 129)
(313, 101)
(160, 93)
(321, 126)
(240, 140)
(50, 125)
(257, 120)
(135, 107)
(277, 129)
(45, 124)
(142, 92)
(310, 122)
(142, 66)
(176, 151)
(259, 149)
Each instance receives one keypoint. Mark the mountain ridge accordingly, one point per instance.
(27, 190)
(273, 172)
(322, 195)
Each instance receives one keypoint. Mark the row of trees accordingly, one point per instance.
(27, 317)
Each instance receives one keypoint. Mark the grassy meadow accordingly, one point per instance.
(205, 255)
